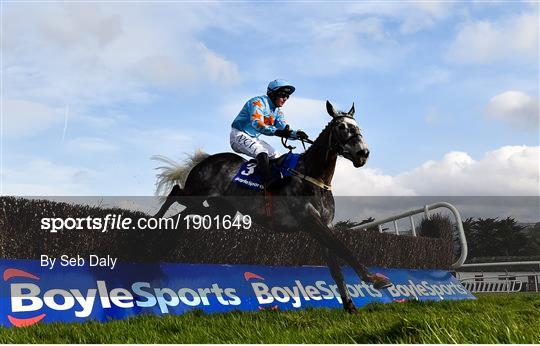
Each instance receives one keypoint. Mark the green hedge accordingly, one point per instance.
(22, 238)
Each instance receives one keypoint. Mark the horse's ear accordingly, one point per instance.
(330, 109)
(351, 112)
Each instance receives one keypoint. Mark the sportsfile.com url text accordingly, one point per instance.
(110, 222)
(113, 222)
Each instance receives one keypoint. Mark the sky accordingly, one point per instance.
(446, 93)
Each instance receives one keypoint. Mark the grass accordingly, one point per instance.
(493, 318)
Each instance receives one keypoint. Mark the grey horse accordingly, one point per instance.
(304, 202)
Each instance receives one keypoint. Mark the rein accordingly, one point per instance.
(290, 147)
(338, 147)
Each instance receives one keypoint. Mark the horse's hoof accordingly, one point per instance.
(380, 281)
(382, 284)
(350, 308)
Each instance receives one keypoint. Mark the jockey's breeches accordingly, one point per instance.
(243, 143)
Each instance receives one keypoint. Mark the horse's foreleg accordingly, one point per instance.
(327, 238)
(337, 275)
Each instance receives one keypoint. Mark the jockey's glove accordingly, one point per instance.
(285, 133)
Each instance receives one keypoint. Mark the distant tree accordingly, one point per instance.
(494, 237)
(535, 234)
(533, 241)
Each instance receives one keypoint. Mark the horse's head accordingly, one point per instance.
(345, 136)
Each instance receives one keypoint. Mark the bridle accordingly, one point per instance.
(339, 146)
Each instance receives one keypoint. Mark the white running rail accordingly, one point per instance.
(498, 264)
(508, 283)
(482, 286)
(425, 210)
(492, 286)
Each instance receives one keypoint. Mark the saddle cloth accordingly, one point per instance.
(248, 176)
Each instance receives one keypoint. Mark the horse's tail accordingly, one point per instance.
(173, 173)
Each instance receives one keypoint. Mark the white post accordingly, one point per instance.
(412, 226)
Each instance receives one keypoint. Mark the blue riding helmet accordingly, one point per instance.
(280, 85)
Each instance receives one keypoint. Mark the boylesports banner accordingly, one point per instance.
(31, 293)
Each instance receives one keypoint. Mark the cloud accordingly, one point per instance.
(92, 145)
(411, 17)
(168, 71)
(306, 113)
(371, 28)
(23, 118)
(484, 41)
(507, 171)
(219, 70)
(515, 108)
(425, 79)
(163, 71)
(81, 25)
(98, 54)
(355, 36)
(40, 177)
(425, 16)
(153, 141)
(336, 46)
(102, 121)
(350, 181)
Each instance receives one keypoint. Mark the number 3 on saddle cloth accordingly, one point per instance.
(248, 176)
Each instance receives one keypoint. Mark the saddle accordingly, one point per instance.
(248, 176)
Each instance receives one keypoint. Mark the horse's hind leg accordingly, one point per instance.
(173, 196)
(193, 204)
(325, 236)
(337, 275)
(220, 206)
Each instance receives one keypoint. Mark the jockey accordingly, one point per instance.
(263, 115)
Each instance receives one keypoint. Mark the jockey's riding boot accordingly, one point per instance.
(263, 166)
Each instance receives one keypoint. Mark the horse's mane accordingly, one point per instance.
(324, 130)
